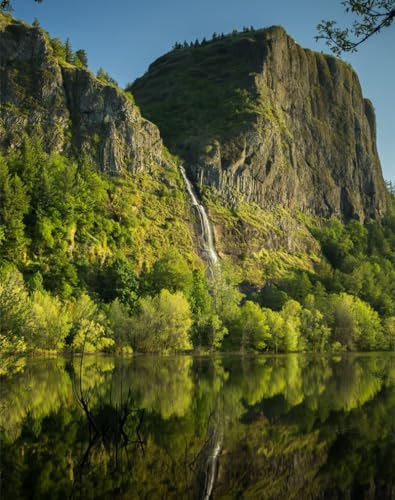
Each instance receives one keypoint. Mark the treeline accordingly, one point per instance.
(64, 51)
(215, 36)
(69, 278)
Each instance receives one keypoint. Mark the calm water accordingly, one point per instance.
(282, 427)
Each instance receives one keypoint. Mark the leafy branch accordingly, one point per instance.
(372, 17)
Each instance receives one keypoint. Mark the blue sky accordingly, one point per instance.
(125, 36)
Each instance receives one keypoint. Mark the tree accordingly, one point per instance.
(371, 17)
(119, 281)
(171, 272)
(389, 332)
(121, 325)
(81, 58)
(291, 314)
(104, 77)
(15, 311)
(58, 47)
(51, 323)
(390, 186)
(69, 56)
(253, 327)
(163, 323)
(275, 322)
(14, 205)
(88, 326)
(226, 295)
(200, 299)
(315, 333)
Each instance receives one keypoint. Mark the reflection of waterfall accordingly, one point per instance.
(211, 466)
(206, 236)
(208, 461)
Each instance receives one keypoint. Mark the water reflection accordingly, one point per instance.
(293, 426)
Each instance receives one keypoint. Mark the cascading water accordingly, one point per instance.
(206, 237)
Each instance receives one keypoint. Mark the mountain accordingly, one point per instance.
(56, 117)
(66, 107)
(270, 133)
(102, 232)
(257, 117)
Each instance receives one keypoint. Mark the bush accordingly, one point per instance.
(163, 323)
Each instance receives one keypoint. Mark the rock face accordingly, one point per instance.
(257, 115)
(68, 108)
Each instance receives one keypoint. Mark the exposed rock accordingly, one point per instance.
(282, 125)
(67, 107)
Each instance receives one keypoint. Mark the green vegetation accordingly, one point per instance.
(97, 263)
(208, 94)
(93, 262)
(72, 269)
(64, 52)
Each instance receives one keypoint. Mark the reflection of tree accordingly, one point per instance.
(163, 385)
(354, 382)
(112, 425)
(41, 388)
(280, 426)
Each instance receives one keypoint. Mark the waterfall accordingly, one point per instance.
(206, 236)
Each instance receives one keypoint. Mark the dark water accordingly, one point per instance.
(283, 427)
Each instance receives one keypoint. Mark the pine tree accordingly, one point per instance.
(69, 56)
(13, 206)
(80, 58)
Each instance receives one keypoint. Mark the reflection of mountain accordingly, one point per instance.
(257, 427)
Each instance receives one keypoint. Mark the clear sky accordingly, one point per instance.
(125, 36)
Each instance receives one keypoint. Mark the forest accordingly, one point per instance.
(74, 275)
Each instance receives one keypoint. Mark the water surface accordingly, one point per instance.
(292, 426)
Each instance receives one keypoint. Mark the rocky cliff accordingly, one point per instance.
(257, 117)
(67, 108)
(270, 132)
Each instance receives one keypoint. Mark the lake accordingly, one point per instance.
(278, 427)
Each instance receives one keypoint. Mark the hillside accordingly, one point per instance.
(104, 245)
(256, 116)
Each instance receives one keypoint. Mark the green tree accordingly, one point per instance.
(388, 341)
(51, 322)
(91, 337)
(371, 17)
(208, 331)
(163, 323)
(15, 311)
(88, 326)
(291, 313)
(121, 325)
(119, 281)
(200, 299)
(69, 55)
(104, 77)
(58, 48)
(171, 272)
(275, 322)
(253, 328)
(226, 295)
(315, 333)
(14, 205)
(81, 58)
